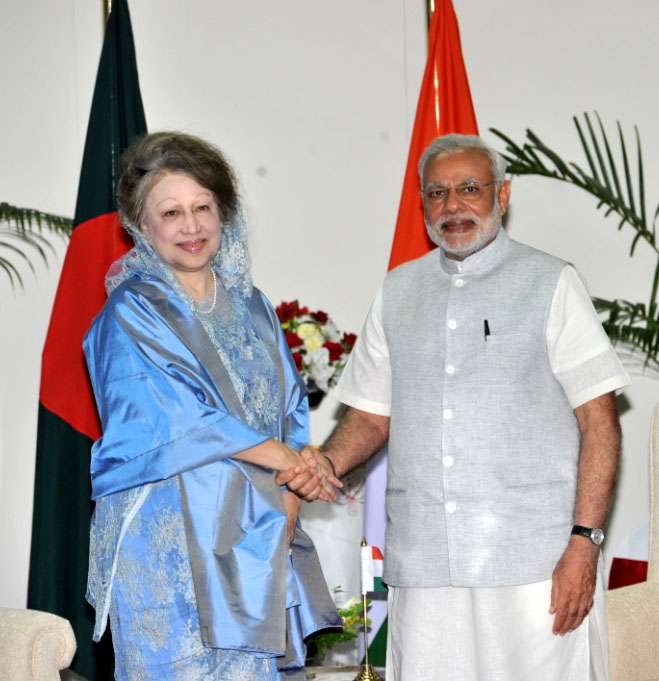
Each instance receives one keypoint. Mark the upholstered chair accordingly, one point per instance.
(34, 646)
(633, 611)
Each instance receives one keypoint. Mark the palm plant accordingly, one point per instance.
(22, 234)
(619, 191)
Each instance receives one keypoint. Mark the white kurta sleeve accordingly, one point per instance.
(580, 353)
(366, 379)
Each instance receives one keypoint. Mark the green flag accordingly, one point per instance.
(68, 423)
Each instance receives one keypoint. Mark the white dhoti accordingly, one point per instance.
(490, 634)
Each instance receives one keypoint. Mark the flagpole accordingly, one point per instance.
(430, 8)
(366, 671)
(107, 8)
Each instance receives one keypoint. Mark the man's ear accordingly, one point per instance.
(504, 196)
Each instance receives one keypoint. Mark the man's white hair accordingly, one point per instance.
(449, 144)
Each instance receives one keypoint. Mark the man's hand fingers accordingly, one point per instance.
(573, 586)
(309, 455)
(585, 607)
(570, 615)
(573, 618)
(554, 596)
(314, 494)
(305, 485)
(559, 605)
(284, 477)
(300, 480)
(328, 493)
(559, 622)
(334, 481)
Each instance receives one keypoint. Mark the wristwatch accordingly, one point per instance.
(595, 534)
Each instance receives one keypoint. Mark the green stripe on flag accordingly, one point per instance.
(60, 540)
(379, 586)
(377, 650)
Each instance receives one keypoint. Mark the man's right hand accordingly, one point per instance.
(315, 481)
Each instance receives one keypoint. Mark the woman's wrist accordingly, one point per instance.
(288, 456)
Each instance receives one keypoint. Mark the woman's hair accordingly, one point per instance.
(147, 159)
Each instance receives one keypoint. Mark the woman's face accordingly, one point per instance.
(182, 222)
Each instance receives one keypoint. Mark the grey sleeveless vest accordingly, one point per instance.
(483, 443)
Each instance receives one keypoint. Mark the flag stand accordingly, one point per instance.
(366, 671)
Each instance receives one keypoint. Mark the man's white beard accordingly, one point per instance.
(487, 229)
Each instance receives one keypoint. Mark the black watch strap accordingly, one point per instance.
(581, 530)
(594, 534)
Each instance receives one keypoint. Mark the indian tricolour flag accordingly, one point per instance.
(372, 560)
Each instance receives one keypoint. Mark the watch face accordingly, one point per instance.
(597, 536)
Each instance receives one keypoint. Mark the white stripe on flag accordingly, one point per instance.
(368, 578)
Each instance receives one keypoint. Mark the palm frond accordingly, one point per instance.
(22, 233)
(618, 191)
(631, 323)
(601, 179)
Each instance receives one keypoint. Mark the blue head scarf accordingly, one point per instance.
(228, 324)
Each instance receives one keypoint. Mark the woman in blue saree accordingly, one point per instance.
(196, 557)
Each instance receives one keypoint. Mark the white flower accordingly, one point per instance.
(314, 343)
(320, 369)
(331, 332)
(306, 330)
(311, 335)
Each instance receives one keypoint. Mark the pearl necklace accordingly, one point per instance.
(212, 305)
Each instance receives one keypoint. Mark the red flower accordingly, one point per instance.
(286, 311)
(298, 360)
(335, 350)
(293, 340)
(349, 340)
(320, 316)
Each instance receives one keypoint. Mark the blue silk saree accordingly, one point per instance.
(189, 557)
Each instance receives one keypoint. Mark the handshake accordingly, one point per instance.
(311, 476)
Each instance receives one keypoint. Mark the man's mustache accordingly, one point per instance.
(444, 220)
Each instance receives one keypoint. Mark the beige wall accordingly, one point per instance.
(313, 102)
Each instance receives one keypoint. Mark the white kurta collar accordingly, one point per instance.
(480, 261)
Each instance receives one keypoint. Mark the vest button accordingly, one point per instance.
(450, 506)
(450, 370)
(452, 324)
(448, 414)
(447, 461)
(459, 283)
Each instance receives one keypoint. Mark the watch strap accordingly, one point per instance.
(582, 531)
(594, 534)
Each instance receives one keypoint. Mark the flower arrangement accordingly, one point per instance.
(352, 615)
(319, 349)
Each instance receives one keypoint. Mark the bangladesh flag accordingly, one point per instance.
(68, 423)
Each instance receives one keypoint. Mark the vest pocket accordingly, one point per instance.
(540, 504)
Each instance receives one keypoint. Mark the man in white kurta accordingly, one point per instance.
(484, 366)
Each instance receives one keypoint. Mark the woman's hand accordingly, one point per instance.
(289, 458)
(292, 507)
(315, 480)
(273, 454)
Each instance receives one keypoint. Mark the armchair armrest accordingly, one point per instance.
(34, 645)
